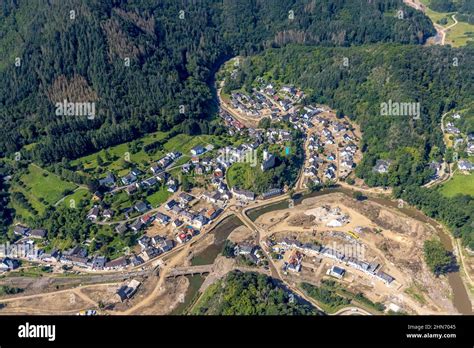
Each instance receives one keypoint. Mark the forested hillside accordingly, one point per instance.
(439, 78)
(376, 74)
(173, 48)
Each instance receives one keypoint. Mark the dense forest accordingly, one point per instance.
(146, 64)
(439, 78)
(250, 294)
(6, 214)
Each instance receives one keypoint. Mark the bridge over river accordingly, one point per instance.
(191, 270)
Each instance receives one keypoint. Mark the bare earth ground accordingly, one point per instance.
(242, 234)
(388, 237)
(168, 297)
(61, 303)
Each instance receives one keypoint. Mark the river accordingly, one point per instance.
(220, 233)
(207, 257)
(460, 299)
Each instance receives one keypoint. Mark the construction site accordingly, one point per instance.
(379, 250)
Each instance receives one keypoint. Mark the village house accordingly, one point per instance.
(147, 219)
(170, 204)
(177, 223)
(470, 148)
(212, 213)
(172, 188)
(75, 260)
(150, 253)
(137, 225)
(37, 233)
(93, 214)
(141, 207)
(336, 272)
(108, 213)
(8, 264)
(156, 168)
(155, 240)
(186, 215)
(197, 150)
(381, 166)
(53, 256)
(144, 241)
(98, 262)
(118, 263)
(126, 292)
(162, 177)
(271, 193)
(243, 194)
(185, 198)
(186, 168)
(135, 171)
(268, 161)
(244, 249)
(129, 179)
(131, 189)
(183, 238)
(386, 278)
(465, 165)
(162, 218)
(20, 230)
(121, 228)
(199, 221)
(136, 260)
(166, 245)
(150, 182)
(108, 181)
(451, 129)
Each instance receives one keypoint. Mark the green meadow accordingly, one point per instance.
(459, 184)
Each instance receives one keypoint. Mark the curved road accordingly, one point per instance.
(417, 5)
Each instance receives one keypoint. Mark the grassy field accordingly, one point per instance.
(460, 34)
(182, 143)
(22, 213)
(76, 197)
(158, 197)
(459, 184)
(41, 189)
(43, 184)
(241, 175)
(118, 154)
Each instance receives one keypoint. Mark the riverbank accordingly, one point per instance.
(461, 299)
